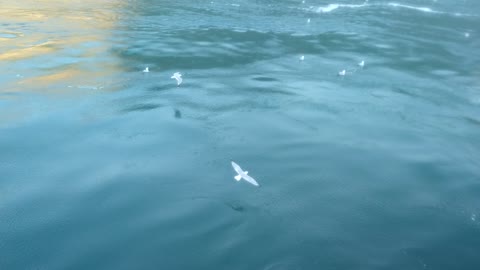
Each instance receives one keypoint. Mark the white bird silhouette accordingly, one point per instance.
(342, 73)
(243, 174)
(362, 64)
(146, 70)
(177, 76)
(308, 21)
(302, 57)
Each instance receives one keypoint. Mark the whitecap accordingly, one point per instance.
(332, 7)
(424, 9)
(429, 10)
(328, 8)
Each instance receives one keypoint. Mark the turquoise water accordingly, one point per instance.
(106, 167)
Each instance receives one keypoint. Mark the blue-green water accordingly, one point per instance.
(103, 166)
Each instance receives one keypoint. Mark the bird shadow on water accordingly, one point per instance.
(177, 113)
(160, 88)
(234, 205)
(238, 206)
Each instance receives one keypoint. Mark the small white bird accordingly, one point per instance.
(362, 64)
(243, 174)
(177, 76)
(302, 57)
(342, 73)
(308, 21)
(146, 70)
(467, 35)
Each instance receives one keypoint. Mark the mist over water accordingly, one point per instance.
(103, 166)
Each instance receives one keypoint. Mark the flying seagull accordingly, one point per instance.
(146, 70)
(243, 174)
(177, 76)
(342, 73)
(361, 64)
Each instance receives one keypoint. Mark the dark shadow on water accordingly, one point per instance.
(141, 107)
(265, 79)
(236, 206)
(159, 88)
(223, 48)
(406, 92)
(472, 120)
(270, 90)
(177, 114)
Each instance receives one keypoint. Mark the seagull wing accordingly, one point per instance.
(249, 179)
(237, 168)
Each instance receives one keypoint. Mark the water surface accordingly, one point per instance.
(106, 167)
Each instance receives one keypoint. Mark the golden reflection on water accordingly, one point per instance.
(50, 46)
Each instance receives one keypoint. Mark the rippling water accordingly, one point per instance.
(106, 167)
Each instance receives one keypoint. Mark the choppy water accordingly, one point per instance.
(105, 167)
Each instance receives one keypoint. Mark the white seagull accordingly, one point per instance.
(342, 73)
(362, 64)
(146, 70)
(243, 174)
(302, 57)
(177, 76)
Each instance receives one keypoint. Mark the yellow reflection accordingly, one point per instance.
(56, 43)
(27, 52)
(44, 80)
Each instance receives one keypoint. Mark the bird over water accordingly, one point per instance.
(177, 76)
(243, 174)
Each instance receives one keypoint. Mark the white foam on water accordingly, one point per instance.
(424, 9)
(328, 8)
(332, 7)
(429, 10)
